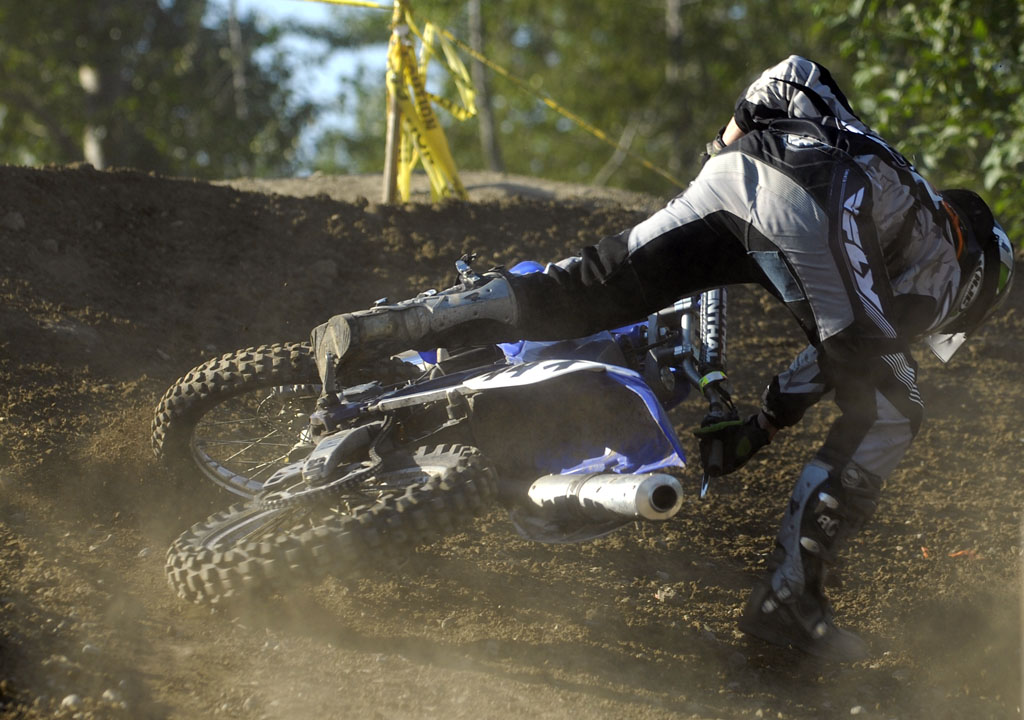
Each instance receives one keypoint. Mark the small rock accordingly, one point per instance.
(857, 710)
(61, 662)
(101, 543)
(89, 649)
(112, 696)
(665, 593)
(71, 702)
(143, 552)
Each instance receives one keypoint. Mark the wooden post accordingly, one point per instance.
(391, 147)
(394, 122)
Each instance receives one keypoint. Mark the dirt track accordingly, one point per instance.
(115, 283)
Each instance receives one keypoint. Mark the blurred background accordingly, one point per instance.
(283, 88)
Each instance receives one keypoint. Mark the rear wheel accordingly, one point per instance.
(250, 550)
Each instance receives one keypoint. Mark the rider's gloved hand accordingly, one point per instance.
(714, 147)
(739, 441)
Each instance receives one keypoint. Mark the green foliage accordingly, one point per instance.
(944, 80)
(151, 81)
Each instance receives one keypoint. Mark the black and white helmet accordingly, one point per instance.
(986, 271)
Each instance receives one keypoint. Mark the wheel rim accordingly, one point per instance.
(240, 443)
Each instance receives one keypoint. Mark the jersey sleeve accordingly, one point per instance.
(792, 392)
(794, 88)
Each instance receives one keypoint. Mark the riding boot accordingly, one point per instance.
(803, 621)
(420, 323)
(789, 607)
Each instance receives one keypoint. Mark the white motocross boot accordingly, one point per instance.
(418, 323)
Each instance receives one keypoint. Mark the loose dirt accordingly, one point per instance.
(115, 283)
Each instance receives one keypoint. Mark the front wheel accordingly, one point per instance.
(239, 417)
(235, 418)
(249, 550)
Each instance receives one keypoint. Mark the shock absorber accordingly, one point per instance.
(713, 382)
(712, 330)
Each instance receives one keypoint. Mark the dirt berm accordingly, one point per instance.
(115, 283)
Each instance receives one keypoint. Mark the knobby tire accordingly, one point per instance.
(248, 551)
(208, 387)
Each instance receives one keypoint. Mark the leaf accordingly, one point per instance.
(979, 30)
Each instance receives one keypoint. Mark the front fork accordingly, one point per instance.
(706, 371)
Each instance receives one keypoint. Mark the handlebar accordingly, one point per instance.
(701, 360)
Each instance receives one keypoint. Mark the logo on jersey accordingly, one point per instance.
(862, 274)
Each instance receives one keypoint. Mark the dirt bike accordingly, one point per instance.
(572, 437)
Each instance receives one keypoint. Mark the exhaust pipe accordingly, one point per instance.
(608, 496)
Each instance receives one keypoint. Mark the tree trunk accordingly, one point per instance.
(237, 62)
(674, 81)
(485, 117)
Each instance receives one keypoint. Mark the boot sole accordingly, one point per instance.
(814, 648)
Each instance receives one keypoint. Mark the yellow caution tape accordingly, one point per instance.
(422, 137)
(355, 3)
(564, 112)
(456, 68)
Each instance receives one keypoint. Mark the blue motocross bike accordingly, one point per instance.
(343, 470)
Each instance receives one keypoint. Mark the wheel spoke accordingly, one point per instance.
(250, 443)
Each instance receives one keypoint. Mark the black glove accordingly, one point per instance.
(714, 147)
(739, 439)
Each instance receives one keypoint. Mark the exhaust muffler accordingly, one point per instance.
(608, 496)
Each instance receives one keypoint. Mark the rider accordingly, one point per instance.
(798, 195)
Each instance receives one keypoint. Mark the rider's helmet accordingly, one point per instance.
(986, 271)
